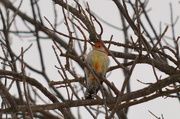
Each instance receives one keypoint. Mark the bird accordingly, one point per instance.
(98, 59)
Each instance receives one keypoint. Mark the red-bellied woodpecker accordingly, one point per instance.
(97, 59)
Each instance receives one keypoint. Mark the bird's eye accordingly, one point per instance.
(98, 46)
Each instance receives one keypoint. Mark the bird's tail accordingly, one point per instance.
(90, 94)
(92, 90)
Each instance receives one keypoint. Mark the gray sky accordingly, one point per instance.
(159, 12)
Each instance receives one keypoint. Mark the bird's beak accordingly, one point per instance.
(91, 44)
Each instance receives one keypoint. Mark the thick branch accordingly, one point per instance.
(38, 85)
(79, 15)
(9, 5)
(145, 92)
(129, 96)
(159, 65)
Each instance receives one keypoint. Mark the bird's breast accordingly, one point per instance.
(98, 60)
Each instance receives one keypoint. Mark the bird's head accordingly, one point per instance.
(99, 46)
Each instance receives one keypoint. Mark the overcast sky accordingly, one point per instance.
(106, 9)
